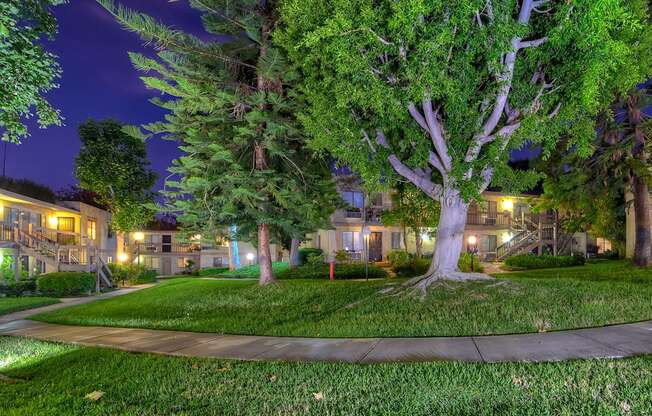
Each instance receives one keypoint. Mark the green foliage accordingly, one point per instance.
(113, 165)
(28, 188)
(232, 109)
(413, 266)
(18, 288)
(531, 261)
(131, 274)
(252, 272)
(212, 271)
(364, 62)
(306, 252)
(398, 257)
(342, 256)
(66, 283)
(27, 70)
(341, 272)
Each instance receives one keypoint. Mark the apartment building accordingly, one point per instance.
(502, 225)
(44, 237)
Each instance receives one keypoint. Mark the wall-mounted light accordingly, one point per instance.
(123, 257)
(472, 240)
(53, 221)
(508, 204)
(139, 236)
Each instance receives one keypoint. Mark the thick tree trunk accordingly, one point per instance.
(418, 242)
(642, 245)
(294, 253)
(448, 246)
(643, 241)
(264, 256)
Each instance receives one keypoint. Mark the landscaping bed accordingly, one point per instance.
(48, 378)
(530, 301)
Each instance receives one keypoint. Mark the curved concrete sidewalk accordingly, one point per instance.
(611, 341)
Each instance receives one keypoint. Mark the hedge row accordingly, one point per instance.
(531, 261)
(341, 272)
(131, 274)
(406, 265)
(18, 288)
(66, 283)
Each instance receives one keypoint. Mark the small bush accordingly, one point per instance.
(341, 272)
(131, 274)
(211, 271)
(398, 258)
(66, 283)
(531, 261)
(19, 288)
(305, 253)
(343, 256)
(416, 267)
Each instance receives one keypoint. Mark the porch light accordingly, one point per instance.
(53, 221)
(123, 257)
(508, 204)
(472, 240)
(139, 236)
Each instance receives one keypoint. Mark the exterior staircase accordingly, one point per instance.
(63, 257)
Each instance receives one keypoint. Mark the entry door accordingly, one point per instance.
(166, 266)
(376, 246)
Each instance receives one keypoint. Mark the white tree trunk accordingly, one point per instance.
(294, 253)
(448, 245)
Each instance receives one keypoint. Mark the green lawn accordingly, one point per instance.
(8, 305)
(595, 294)
(54, 379)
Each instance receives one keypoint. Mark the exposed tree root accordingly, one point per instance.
(423, 282)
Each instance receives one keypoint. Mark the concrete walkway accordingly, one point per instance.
(603, 342)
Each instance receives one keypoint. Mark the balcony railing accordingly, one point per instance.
(509, 220)
(371, 214)
(155, 248)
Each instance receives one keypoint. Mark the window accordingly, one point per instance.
(351, 240)
(91, 228)
(396, 241)
(355, 199)
(218, 262)
(487, 243)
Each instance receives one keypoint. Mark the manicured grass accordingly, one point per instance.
(54, 379)
(253, 271)
(591, 295)
(8, 305)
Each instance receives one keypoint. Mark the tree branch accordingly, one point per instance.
(436, 134)
(426, 185)
(532, 43)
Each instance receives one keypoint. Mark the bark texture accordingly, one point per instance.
(641, 191)
(294, 253)
(264, 256)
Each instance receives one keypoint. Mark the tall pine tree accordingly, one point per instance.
(231, 107)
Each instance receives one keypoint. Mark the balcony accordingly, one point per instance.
(163, 248)
(372, 215)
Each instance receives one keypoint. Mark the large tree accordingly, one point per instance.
(27, 70)
(231, 107)
(451, 87)
(113, 165)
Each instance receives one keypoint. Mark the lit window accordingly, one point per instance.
(91, 229)
(351, 240)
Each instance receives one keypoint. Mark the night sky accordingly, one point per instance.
(98, 81)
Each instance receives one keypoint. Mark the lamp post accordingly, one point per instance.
(472, 248)
(250, 257)
(365, 234)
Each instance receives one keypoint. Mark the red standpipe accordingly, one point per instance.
(331, 272)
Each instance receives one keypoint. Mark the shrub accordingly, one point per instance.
(398, 257)
(66, 283)
(211, 271)
(341, 272)
(19, 288)
(315, 259)
(342, 256)
(131, 274)
(464, 263)
(305, 253)
(531, 261)
(416, 267)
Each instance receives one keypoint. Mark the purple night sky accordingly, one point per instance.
(98, 81)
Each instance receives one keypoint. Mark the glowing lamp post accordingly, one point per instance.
(365, 234)
(250, 257)
(139, 237)
(472, 248)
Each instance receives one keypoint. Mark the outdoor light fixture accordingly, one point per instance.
(250, 256)
(472, 248)
(472, 240)
(139, 236)
(53, 221)
(508, 204)
(123, 257)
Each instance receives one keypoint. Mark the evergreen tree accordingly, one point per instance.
(113, 165)
(451, 87)
(27, 70)
(231, 108)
